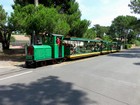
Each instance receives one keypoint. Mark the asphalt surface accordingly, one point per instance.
(112, 79)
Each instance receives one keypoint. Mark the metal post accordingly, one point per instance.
(36, 2)
(33, 38)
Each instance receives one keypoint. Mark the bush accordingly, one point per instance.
(137, 42)
(127, 46)
(12, 39)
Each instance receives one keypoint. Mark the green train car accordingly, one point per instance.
(54, 48)
(45, 48)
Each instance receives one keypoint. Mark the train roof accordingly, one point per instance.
(81, 39)
(57, 35)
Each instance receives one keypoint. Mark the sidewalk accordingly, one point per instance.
(12, 59)
(9, 66)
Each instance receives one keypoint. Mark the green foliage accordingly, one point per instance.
(131, 37)
(107, 38)
(137, 42)
(12, 39)
(3, 16)
(33, 18)
(127, 46)
(100, 30)
(39, 19)
(61, 26)
(5, 29)
(90, 34)
(135, 6)
(67, 8)
(63, 6)
(73, 7)
(122, 27)
(78, 28)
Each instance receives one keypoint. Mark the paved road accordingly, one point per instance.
(112, 79)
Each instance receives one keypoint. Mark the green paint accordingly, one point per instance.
(42, 52)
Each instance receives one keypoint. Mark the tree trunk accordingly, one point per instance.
(5, 45)
(1, 38)
(6, 41)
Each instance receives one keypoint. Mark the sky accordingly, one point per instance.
(103, 12)
(7, 5)
(100, 12)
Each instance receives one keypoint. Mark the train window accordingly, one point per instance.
(38, 40)
(58, 41)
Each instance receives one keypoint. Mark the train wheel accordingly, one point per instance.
(60, 60)
(64, 59)
(27, 64)
(54, 61)
(43, 63)
(34, 64)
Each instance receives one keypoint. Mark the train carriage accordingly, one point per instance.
(115, 47)
(106, 47)
(80, 47)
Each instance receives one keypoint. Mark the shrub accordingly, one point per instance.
(12, 39)
(127, 46)
(137, 42)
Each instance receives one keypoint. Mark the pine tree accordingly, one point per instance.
(67, 8)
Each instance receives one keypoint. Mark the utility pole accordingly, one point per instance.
(33, 37)
(36, 2)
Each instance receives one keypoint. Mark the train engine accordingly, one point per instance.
(44, 48)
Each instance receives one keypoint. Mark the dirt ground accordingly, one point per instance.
(14, 57)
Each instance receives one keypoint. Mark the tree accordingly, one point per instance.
(100, 30)
(3, 16)
(135, 6)
(63, 6)
(122, 27)
(61, 26)
(78, 28)
(107, 38)
(2, 21)
(90, 34)
(5, 30)
(38, 19)
(69, 8)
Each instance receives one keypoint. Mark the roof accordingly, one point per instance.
(57, 35)
(81, 39)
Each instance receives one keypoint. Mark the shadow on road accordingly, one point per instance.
(46, 91)
(131, 53)
(137, 63)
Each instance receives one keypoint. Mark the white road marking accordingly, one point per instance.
(15, 75)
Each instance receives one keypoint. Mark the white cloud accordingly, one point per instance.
(103, 21)
(7, 5)
(103, 12)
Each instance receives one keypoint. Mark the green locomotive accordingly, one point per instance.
(45, 48)
(54, 47)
